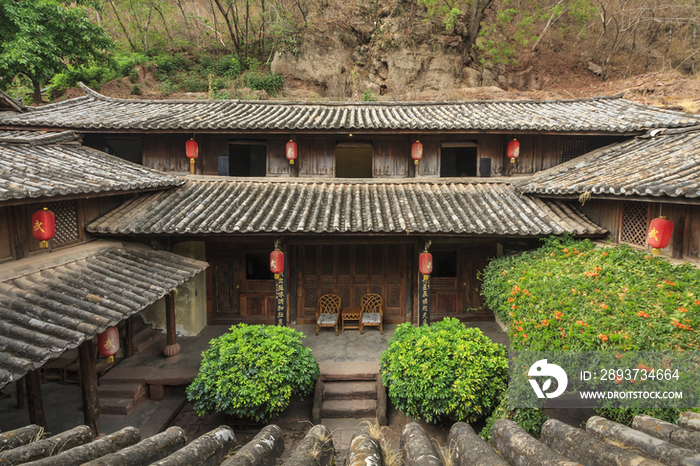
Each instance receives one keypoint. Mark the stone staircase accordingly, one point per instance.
(144, 334)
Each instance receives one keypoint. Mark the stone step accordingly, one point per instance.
(348, 408)
(121, 406)
(145, 337)
(350, 390)
(122, 390)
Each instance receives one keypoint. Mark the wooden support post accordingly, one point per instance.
(172, 347)
(88, 385)
(21, 399)
(34, 401)
(678, 239)
(129, 327)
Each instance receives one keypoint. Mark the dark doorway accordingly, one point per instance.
(247, 160)
(354, 162)
(458, 161)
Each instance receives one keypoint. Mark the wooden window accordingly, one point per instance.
(634, 222)
(327, 260)
(360, 259)
(310, 260)
(67, 230)
(572, 148)
(353, 162)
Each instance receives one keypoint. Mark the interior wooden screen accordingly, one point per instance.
(634, 222)
(350, 271)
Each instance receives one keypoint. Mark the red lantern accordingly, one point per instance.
(425, 263)
(43, 226)
(277, 262)
(417, 151)
(513, 150)
(660, 232)
(192, 150)
(108, 342)
(291, 151)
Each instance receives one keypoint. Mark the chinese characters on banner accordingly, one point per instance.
(281, 298)
(424, 313)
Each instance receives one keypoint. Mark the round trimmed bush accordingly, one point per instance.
(444, 372)
(252, 372)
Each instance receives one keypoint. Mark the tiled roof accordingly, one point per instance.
(207, 205)
(52, 303)
(8, 103)
(95, 111)
(661, 163)
(51, 164)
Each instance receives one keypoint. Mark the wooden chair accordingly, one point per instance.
(372, 312)
(328, 312)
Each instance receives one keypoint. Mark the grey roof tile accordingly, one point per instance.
(95, 111)
(36, 164)
(228, 205)
(55, 303)
(665, 164)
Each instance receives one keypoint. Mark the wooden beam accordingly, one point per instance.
(129, 327)
(21, 398)
(34, 401)
(88, 385)
(172, 346)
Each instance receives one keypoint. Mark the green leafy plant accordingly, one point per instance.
(195, 83)
(136, 90)
(252, 372)
(368, 96)
(444, 371)
(271, 83)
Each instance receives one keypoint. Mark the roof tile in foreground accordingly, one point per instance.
(34, 164)
(97, 112)
(51, 303)
(206, 205)
(665, 164)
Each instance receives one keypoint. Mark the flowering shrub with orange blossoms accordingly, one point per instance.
(571, 295)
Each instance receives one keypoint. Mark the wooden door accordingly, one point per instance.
(350, 271)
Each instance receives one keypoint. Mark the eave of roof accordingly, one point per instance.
(51, 303)
(664, 163)
(97, 112)
(217, 205)
(40, 165)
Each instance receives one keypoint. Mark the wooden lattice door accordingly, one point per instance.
(634, 222)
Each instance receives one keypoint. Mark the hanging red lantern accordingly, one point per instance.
(291, 151)
(192, 151)
(513, 150)
(416, 151)
(660, 232)
(108, 342)
(43, 226)
(277, 262)
(425, 263)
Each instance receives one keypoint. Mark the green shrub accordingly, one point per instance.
(264, 82)
(368, 96)
(169, 64)
(169, 87)
(136, 90)
(252, 372)
(444, 371)
(194, 83)
(133, 75)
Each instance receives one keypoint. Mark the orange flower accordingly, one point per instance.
(565, 250)
(511, 299)
(604, 306)
(669, 282)
(514, 306)
(633, 381)
(580, 322)
(605, 254)
(526, 293)
(545, 323)
(618, 379)
(505, 273)
(643, 314)
(618, 356)
(682, 309)
(697, 302)
(524, 335)
(603, 337)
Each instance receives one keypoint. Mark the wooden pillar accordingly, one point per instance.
(21, 399)
(88, 385)
(34, 401)
(678, 240)
(172, 347)
(129, 327)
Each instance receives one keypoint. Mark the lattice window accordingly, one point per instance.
(377, 267)
(310, 260)
(66, 213)
(360, 259)
(635, 219)
(572, 148)
(327, 260)
(392, 268)
(343, 259)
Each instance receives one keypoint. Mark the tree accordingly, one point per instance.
(40, 38)
(464, 16)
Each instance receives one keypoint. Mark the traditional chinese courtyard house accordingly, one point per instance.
(353, 212)
(58, 299)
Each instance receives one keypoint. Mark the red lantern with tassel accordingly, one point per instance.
(43, 226)
(291, 151)
(513, 150)
(108, 342)
(192, 151)
(417, 151)
(277, 262)
(425, 263)
(660, 231)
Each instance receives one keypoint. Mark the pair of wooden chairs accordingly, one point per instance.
(371, 312)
